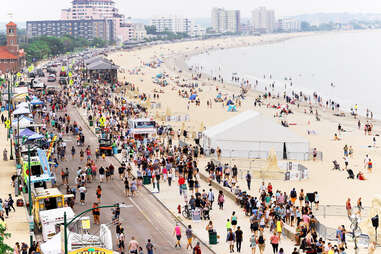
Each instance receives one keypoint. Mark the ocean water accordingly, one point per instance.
(349, 60)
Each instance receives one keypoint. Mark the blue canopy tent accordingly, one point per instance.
(193, 97)
(26, 133)
(35, 136)
(36, 101)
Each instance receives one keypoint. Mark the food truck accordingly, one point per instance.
(45, 200)
(141, 127)
(52, 219)
(39, 170)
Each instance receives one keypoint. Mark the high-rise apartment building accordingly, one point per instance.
(172, 24)
(289, 25)
(87, 29)
(263, 20)
(226, 21)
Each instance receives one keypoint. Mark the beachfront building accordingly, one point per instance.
(87, 29)
(172, 24)
(289, 25)
(263, 20)
(251, 135)
(12, 58)
(198, 31)
(132, 32)
(226, 21)
(106, 10)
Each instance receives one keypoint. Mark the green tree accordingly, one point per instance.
(4, 248)
(150, 29)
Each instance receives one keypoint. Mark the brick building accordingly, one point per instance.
(12, 58)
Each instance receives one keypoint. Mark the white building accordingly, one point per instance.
(172, 24)
(263, 20)
(226, 21)
(289, 25)
(198, 31)
(132, 31)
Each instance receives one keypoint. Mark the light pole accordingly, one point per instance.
(66, 224)
(10, 117)
(31, 225)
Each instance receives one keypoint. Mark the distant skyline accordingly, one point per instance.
(24, 10)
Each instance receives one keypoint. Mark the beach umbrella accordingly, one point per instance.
(193, 97)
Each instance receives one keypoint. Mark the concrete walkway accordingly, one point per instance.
(17, 223)
(170, 197)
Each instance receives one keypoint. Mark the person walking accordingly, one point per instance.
(253, 243)
(261, 242)
(99, 193)
(197, 249)
(82, 194)
(238, 238)
(211, 198)
(121, 240)
(221, 200)
(230, 239)
(96, 213)
(233, 220)
(133, 246)
(274, 240)
(150, 247)
(177, 233)
(189, 235)
(248, 179)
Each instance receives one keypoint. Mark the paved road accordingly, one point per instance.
(145, 219)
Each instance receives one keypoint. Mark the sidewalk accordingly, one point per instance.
(17, 223)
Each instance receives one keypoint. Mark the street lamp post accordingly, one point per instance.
(66, 224)
(10, 117)
(31, 226)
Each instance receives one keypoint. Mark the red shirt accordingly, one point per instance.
(197, 250)
(181, 180)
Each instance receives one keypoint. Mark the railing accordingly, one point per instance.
(252, 154)
(338, 210)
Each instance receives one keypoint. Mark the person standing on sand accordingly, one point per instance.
(348, 207)
(370, 166)
(366, 160)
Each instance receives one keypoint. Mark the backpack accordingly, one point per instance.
(260, 240)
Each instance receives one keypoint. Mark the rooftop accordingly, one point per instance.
(5, 54)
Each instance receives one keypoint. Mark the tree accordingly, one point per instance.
(4, 248)
(3, 39)
(150, 29)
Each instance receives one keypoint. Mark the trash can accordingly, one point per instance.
(146, 180)
(115, 150)
(91, 122)
(213, 237)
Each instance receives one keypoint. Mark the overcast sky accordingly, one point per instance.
(50, 9)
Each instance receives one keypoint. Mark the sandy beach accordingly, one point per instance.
(332, 185)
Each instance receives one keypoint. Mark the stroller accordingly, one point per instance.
(351, 175)
(336, 165)
(205, 213)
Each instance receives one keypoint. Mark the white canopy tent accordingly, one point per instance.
(252, 135)
(21, 111)
(23, 105)
(22, 122)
